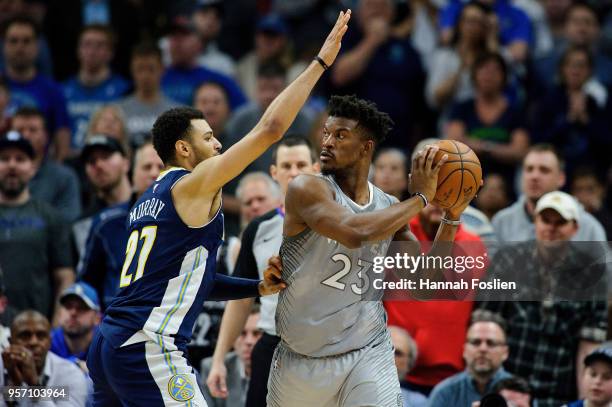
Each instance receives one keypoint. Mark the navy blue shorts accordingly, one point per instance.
(142, 374)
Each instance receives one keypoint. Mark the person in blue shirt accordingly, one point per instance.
(484, 352)
(95, 84)
(515, 32)
(29, 87)
(175, 229)
(184, 75)
(79, 319)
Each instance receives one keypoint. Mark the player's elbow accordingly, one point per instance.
(272, 128)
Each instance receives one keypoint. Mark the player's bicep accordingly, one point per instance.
(213, 173)
(323, 217)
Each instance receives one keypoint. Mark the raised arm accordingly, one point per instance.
(212, 174)
(310, 203)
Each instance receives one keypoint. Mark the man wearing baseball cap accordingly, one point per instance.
(79, 319)
(597, 379)
(15, 140)
(106, 166)
(561, 293)
(556, 219)
(34, 241)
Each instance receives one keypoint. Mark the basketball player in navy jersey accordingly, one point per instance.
(175, 228)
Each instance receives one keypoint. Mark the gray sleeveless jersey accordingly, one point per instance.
(322, 312)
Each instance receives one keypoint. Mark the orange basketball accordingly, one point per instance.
(460, 176)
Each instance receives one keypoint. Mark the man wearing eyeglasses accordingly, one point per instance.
(484, 352)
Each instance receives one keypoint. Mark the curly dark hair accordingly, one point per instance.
(377, 124)
(172, 125)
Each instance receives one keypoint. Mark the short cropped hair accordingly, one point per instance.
(293, 141)
(215, 85)
(483, 315)
(273, 187)
(377, 124)
(21, 20)
(547, 147)
(146, 49)
(172, 125)
(30, 111)
(106, 30)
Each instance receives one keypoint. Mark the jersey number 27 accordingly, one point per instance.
(147, 235)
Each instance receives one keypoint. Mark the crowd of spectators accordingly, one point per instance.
(525, 83)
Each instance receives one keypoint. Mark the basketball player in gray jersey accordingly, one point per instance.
(335, 349)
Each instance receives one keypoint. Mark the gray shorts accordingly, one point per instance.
(364, 377)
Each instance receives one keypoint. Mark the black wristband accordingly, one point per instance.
(320, 60)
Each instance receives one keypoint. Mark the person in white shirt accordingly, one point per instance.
(28, 362)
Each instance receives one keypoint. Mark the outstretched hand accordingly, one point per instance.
(331, 46)
(272, 282)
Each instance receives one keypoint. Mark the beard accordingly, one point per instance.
(482, 369)
(109, 187)
(328, 171)
(76, 331)
(12, 189)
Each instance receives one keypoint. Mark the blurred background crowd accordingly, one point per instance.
(525, 83)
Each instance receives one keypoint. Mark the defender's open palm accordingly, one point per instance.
(272, 282)
(331, 47)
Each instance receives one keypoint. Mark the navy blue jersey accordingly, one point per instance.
(168, 272)
(104, 254)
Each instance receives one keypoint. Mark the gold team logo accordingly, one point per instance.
(181, 388)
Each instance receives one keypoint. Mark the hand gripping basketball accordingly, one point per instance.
(460, 177)
(424, 172)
